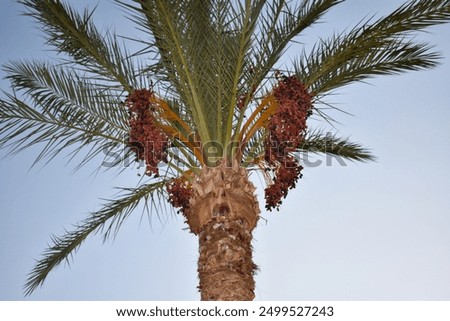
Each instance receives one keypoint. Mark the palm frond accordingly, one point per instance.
(382, 47)
(412, 16)
(107, 220)
(76, 35)
(327, 143)
(392, 57)
(244, 29)
(254, 149)
(279, 25)
(55, 88)
(168, 22)
(66, 112)
(203, 49)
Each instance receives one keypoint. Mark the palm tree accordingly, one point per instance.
(203, 106)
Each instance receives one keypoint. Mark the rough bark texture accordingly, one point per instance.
(223, 212)
(225, 265)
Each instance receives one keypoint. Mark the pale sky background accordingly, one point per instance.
(366, 231)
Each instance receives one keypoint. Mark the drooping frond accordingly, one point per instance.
(65, 112)
(327, 143)
(382, 47)
(413, 16)
(316, 142)
(107, 220)
(54, 88)
(76, 35)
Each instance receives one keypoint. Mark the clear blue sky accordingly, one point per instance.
(374, 231)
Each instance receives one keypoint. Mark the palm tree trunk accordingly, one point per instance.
(223, 213)
(225, 265)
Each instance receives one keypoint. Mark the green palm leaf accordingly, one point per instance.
(107, 220)
(22, 126)
(327, 143)
(66, 113)
(167, 22)
(380, 48)
(77, 36)
(56, 88)
(281, 22)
